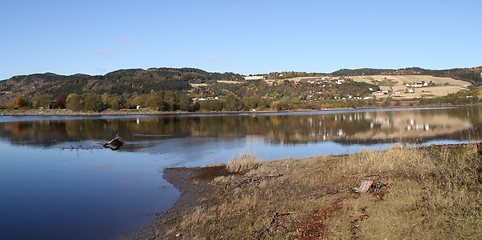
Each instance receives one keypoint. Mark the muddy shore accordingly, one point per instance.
(312, 198)
(194, 185)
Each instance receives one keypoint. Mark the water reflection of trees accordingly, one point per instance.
(381, 126)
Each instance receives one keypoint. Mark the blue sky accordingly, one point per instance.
(247, 37)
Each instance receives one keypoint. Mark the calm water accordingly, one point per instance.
(57, 182)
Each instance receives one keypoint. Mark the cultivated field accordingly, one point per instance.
(443, 85)
(197, 85)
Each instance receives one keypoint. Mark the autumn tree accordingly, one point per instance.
(279, 106)
(155, 101)
(42, 101)
(211, 105)
(232, 103)
(74, 102)
(115, 102)
(184, 102)
(251, 103)
(170, 101)
(60, 101)
(93, 102)
(18, 102)
(134, 101)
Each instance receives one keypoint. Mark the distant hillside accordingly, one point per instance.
(472, 75)
(122, 82)
(131, 82)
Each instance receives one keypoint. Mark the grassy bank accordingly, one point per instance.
(423, 193)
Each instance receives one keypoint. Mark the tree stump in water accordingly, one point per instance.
(115, 143)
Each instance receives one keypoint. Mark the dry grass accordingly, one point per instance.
(432, 192)
(397, 161)
(242, 164)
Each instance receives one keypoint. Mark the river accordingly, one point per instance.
(58, 182)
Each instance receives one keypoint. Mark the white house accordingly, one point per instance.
(253, 78)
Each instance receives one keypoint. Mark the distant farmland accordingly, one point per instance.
(441, 86)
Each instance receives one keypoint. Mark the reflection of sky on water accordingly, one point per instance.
(53, 191)
(78, 194)
(189, 152)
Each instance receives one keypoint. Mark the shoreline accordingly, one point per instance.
(148, 112)
(193, 185)
(311, 197)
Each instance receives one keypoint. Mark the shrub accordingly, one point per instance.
(243, 163)
(18, 102)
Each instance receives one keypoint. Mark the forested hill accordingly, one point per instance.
(140, 81)
(171, 88)
(121, 82)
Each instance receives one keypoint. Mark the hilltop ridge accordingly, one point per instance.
(275, 90)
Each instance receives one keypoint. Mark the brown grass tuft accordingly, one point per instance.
(242, 164)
